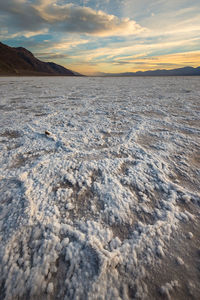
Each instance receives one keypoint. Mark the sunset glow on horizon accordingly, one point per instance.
(110, 36)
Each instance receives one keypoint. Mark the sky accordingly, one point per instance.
(110, 36)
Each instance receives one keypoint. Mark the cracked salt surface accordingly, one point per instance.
(99, 181)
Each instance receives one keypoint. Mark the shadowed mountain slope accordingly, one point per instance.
(20, 61)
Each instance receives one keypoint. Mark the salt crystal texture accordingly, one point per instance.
(88, 205)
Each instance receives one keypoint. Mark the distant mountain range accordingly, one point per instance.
(19, 61)
(186, 71)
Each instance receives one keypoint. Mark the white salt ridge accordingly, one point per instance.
(85, 208)
(168, 288)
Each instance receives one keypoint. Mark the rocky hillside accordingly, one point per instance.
(20, 61)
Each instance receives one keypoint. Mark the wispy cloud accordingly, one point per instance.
(93, 34)
(128, 49)
(4, 33)
(49, 56)
(66, 44)
(176, 60)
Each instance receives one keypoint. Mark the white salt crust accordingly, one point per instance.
(88, 205)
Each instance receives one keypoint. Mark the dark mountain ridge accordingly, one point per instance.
(20, 61)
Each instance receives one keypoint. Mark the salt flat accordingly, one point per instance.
(99, 188)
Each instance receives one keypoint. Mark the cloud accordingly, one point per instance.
(117, 57)
(24, 33)
(128, 48)
(21, 15)
(86, 20)
(75, 32)
(67, 18)
(176, 60)
(66, 44)
(49, 56)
